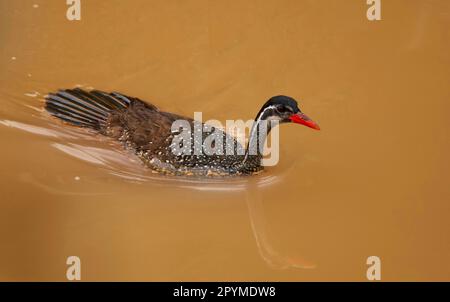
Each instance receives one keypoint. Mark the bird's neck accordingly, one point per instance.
(258, 135)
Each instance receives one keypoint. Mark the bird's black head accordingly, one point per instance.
(285, 110)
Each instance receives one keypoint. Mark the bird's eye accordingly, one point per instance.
(283, 109)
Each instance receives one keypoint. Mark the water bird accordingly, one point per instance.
(147, 131)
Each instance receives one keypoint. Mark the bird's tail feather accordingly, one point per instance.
(82, 108)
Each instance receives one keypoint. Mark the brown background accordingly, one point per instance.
(374, 181)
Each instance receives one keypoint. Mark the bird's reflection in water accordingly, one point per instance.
(116, 161)
(259, 226)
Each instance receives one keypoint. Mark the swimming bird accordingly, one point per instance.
(149, 132)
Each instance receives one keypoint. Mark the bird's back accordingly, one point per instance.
(141, 127)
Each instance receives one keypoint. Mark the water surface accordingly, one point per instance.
(374, 181)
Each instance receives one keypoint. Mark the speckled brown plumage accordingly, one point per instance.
(147, 131)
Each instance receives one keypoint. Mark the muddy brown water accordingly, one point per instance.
(373, 181)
